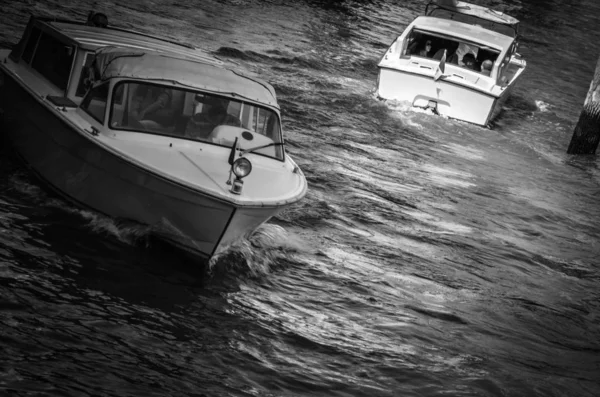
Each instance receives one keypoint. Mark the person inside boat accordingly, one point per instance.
(469, 61)
(420, 45)
(150, 106)
(426, 50)
(414, 42)
(214, 113)
(486, 67)
(484, 54)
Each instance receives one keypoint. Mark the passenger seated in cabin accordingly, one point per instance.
(426, 51)
(484, 54)
(214, 113)
(97, 19)
(486, 67)
(415, 42)
(150, 106)
(464, 48)
(469, 62)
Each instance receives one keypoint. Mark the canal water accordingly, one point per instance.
(430, 257)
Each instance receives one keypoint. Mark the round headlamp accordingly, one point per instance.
(242, 167)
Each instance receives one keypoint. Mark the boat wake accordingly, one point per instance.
(127, 232)
(257, 254)
(19, 183)
(130, 233)
(409, 114)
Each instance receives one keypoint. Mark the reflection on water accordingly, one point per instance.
(429, 256)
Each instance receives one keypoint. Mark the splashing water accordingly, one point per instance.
(257, 253)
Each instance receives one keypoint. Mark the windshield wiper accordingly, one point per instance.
(244, 151)
(232, 152)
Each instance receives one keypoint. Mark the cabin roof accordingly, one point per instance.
(467, 32)
(123, 62)
(158, 59)
(92, 38)
(475, 10)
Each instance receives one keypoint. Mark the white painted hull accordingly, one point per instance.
(453, 99)
(83, 171)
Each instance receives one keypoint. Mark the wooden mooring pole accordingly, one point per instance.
(587, 131)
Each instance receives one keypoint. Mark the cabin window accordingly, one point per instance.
(31, 44)
(95, 101)
(53, 60)
(465, 54)
(198, 116)
(84, 82)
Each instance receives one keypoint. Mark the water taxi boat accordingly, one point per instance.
(459, 59)
(145, 129)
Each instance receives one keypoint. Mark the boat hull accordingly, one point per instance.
(453, 100)
(75, 166)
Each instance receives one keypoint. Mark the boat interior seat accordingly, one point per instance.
(483, 54)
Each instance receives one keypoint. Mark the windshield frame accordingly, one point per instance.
(416, 31)
(122, 100)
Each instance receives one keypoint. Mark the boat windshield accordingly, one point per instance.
(469, 55)
(194, 115)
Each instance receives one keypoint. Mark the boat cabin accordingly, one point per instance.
(459, 60)
(135, 83)
(473, 49)
(475, 39)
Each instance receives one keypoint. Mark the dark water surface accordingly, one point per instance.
(430, 257)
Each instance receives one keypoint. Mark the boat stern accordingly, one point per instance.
(457, 70)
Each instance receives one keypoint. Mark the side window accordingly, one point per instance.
(118, 94)
(82, 86)
(31, 43)
(95, 101)
(53, 59)
(262, 121)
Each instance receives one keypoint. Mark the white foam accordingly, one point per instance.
(542, 106)
(447, 176)
(465, 152)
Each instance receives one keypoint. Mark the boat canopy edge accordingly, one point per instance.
(123, 62)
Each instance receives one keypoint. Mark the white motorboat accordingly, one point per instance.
(145, 129)
(459, 59)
